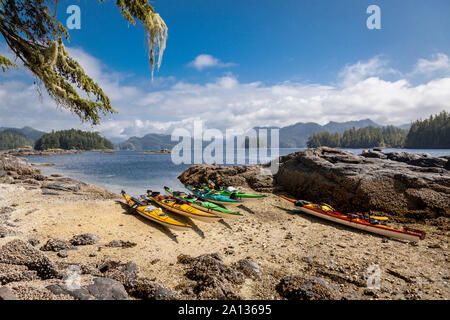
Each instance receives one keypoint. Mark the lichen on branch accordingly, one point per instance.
(31, 31)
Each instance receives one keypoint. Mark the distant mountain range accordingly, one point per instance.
(28, 132)
(152, 141)
(294, 136)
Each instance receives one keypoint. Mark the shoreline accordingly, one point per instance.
(298, 245)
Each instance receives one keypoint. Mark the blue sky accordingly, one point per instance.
(311, 60)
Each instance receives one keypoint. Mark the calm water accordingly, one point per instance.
(136, 173)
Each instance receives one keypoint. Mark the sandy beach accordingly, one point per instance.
(280, 243)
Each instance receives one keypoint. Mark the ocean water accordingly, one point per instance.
(136, 173)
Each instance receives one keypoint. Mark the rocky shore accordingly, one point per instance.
(23, 152)
(65, 239)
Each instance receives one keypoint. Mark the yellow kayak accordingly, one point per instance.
(182, 208)
(155, 214)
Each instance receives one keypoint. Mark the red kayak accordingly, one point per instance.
(375, 224)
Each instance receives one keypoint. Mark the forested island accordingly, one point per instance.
(10, 139)
(73, 139)
(431, 133)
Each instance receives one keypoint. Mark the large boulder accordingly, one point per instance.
(356, 183)
(248, 176)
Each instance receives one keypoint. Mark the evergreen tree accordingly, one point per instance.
(73, 139)
(13, 140)
(430, 133)
(31, 31)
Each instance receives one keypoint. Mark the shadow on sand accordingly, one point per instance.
(225, 224)
(246, 209)
(156, 225)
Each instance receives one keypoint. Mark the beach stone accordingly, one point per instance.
(56, 245)
(121, 244)
(63, 254)
(34, 242)
(77, 293)
(143, 288)
(84, 239)
(214, 279)
(248, 267)
(19, 252)
(107, 289)
(14, 273)
(304, 288)
(7, 294)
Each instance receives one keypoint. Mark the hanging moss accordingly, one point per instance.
(34, 35)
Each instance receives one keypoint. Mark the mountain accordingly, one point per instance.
(296, 136)
(28, 132)
(152, 141)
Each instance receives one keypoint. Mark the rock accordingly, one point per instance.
(107, 289)
(374, 154)
(21, 253)
(63, 254)
(121, 244)
(304, 288)
(354, 183)
(248, 267)
(77, 293)
(84, 239)
(34, 242)
(14, 273)
(7, 294)
(143, 288)
(245, 176)
(420, 159)
(57, 245)
(14, 166)
(122, 272)
(214, 279)
(31, 152)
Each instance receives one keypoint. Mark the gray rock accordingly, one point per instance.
(34, 242)
(57, 245)
(63, 254)
(84, 239)
(304, 288)
(248, 267)
(121, 244)
(107, 289)
(78, 293)
(7, 294)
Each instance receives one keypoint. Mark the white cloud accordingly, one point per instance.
(439, 63)
(227, 103)
(207, 61)
(361, 70)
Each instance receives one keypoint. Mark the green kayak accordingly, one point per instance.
(234, 194)
(204, 205)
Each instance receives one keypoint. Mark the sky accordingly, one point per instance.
(237, 64)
